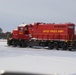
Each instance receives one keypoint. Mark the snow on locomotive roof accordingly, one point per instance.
(15, 29)
(22, 25)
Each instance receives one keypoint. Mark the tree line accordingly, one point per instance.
(4, 35)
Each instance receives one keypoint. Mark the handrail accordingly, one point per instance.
(66, 36)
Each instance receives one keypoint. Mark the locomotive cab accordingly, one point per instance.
(26, 30)
(23, 32)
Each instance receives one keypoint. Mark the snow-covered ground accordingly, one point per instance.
(33, 60)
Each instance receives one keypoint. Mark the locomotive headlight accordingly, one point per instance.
(66, 40)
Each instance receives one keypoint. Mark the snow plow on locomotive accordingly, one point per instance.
(58, 36)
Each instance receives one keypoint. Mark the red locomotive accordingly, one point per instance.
(59, 36)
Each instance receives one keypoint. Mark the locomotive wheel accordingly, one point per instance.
(70, 49)
(19, 44)
(9, 43)
(51, 46)
(30, 46)
(22, 44)
(57, 48)
(56, 45)
(14, 43)
(42, 44)
(64, 46)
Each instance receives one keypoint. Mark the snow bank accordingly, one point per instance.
(37, 60)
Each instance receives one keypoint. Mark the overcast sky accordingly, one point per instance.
(15, 12)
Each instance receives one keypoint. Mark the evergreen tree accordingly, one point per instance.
(1, 30)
